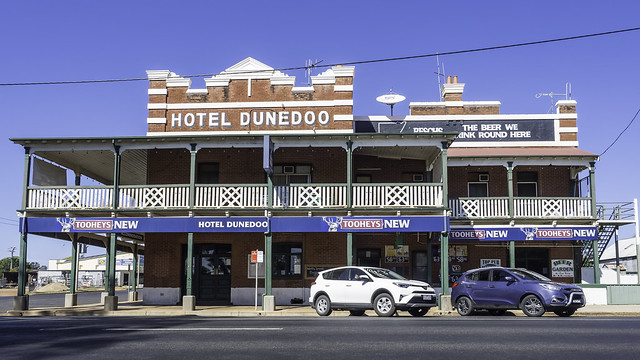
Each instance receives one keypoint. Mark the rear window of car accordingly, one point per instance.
(334, 274)
(479, 276)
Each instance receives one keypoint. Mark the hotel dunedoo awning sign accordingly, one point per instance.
(524, 233)
(237, 224)
(469, 130)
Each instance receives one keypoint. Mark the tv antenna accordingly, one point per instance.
(567, 95)
(440, 75)
(390, 99)
(308, 66)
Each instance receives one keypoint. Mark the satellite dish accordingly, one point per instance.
(390, 99)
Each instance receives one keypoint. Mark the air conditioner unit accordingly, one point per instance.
(483, 177)
(288, 169)
(418, 177)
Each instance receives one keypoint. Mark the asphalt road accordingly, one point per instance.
(320, 338)
(57, 300)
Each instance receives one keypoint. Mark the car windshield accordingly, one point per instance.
(385, 274)
(529, 275)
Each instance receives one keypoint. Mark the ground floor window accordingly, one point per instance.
(287, 260)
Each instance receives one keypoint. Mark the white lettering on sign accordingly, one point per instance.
(585, 233)
(428, 130)
(256, 119)
(554, 233)
(125, 224)
(468, 234)
(497, 233)
(397, 224)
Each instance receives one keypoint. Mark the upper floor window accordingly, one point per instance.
(208, 173)
(291, 174)
(527, 183)
(478, 189)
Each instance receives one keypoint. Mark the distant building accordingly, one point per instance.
(91, 270)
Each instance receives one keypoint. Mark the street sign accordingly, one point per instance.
(257, 256)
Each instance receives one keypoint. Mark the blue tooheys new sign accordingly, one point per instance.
(524, 233)
(148, 225)
(238, 224)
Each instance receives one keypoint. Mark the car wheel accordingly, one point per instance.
(565, 313)
(419, 311)
(497, 312)
(383, 305)
(464, 305)
(356, 312)
(323, 305)
(532, 306)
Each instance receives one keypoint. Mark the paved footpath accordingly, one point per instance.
(139, 309)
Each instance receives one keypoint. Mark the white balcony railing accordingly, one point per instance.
(294, 196)
(70, 197)
(231, 196)
(549, 208)
(552, 207)
(482, 208)
(154, 197)
(323, 196)
(397, 195)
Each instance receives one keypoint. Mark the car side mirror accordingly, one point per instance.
(510, 279)
(364, 278)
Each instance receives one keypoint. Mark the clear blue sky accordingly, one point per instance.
(81, 40)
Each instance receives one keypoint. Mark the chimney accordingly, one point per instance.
(452, 91)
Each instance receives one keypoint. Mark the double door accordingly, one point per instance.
(212, 274)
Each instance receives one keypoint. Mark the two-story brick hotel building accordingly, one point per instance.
(255, 162)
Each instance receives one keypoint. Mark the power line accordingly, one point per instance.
(4, 218)
(344, 63)
(622, 132)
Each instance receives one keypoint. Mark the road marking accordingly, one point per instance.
(194, 329)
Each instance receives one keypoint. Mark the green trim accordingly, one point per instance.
(510, 188)
(189, 264)
(112, 264)
(74, 264)
(349, 249)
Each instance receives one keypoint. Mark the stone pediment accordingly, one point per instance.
(250, 68)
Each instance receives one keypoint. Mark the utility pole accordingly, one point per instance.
(12, 250)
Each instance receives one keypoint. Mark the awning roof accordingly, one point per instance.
(93, 156)
(531, 156)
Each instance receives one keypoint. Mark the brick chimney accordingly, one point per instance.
(452, 90)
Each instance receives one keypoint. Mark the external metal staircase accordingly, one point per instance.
(611, 216)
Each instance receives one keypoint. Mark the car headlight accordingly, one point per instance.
(402, 285)
(551, 287)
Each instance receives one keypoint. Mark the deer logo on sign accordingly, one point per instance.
(333, 222)
(66, 223)
(530, 232)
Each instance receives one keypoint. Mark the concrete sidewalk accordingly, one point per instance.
(138, 309)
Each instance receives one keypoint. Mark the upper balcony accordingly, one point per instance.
(523, 208)
(238, 197)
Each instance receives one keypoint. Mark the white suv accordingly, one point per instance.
(358, 288)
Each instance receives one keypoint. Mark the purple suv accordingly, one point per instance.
(500, 289)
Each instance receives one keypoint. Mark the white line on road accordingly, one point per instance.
(194, 329)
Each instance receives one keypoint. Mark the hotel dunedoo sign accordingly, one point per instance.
(469, 130)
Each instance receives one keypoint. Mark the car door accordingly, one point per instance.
(504, 293)
(334, 284)
(357, 290)
(478, 287)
